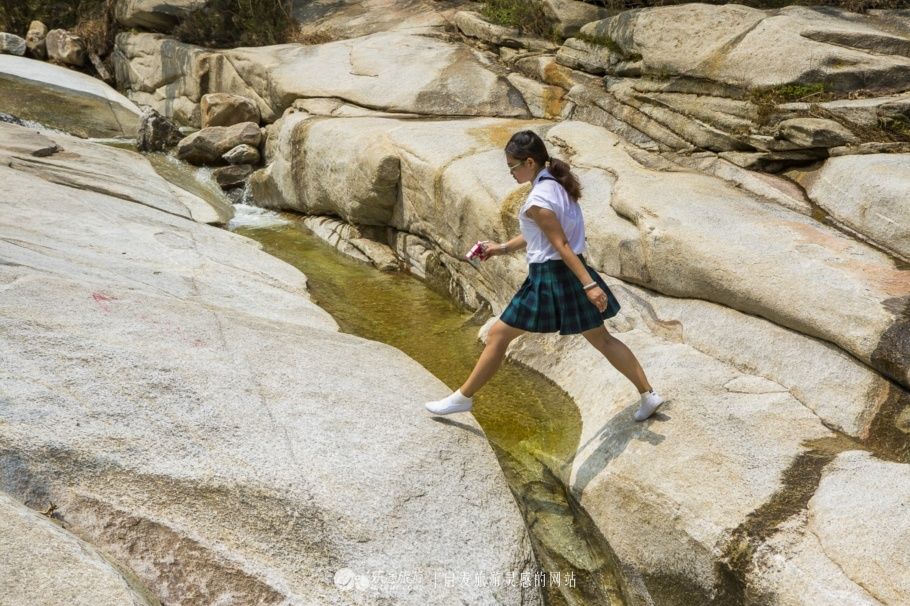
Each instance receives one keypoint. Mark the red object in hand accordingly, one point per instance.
(478, 250)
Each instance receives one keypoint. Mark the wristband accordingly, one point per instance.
(590, 286)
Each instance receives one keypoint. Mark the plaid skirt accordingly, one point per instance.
(552, 299)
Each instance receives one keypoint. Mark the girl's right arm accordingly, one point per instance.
(516, 243)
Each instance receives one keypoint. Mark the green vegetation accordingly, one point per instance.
(93, 20)
(859, 6)
(230, 23)
(525, 15)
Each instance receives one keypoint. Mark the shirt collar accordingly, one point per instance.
(543, 173)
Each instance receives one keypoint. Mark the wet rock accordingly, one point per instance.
(156, 133)
(65, 47)
(814, 132)
(35, 40)
(208, 145)
(225, 109)
(232, 176)
(242, 154)
(64, 99)
(11, 44)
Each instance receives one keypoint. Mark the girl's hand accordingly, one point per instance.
(492, 249)
(598, 297)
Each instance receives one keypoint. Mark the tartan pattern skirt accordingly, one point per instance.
(552, 299)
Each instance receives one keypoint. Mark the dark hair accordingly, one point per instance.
(526, 144)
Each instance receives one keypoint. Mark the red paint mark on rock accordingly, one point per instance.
(101, 299)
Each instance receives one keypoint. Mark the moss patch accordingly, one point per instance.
(526, 16)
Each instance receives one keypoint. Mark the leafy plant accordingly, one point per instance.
(525, 15)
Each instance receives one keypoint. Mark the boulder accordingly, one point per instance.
(232, 176)
(64, 47)
(193, 446)
(42, 563)
(206, 146)
(64, 99)
(242, 154)
(868, 194)
(155, 15)
(156, 133)
(225, 109)
(11, 44)
(815, 132)
(35, 40)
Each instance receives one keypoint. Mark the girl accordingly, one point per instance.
(561, 293)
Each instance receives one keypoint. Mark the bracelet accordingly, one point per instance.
(504, 248)
(590, 286)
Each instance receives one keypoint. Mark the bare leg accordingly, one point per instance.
(620, 356)
(498, 339)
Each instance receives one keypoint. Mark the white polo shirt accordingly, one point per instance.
(550, 194)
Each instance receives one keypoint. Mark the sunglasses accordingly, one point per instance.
(512, 167)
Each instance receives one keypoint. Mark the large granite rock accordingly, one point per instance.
(175, 394)
(64, 99)
(41, 563)
(391, 71)
(751, 48)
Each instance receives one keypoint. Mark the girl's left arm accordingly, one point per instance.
(549, 224)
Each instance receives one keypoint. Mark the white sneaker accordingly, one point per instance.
(649, 403)
(454, 402)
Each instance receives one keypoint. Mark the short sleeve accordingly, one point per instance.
(541, 196)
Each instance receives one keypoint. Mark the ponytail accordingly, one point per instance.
(563, 173)
(527, 144)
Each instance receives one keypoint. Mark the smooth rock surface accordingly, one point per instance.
(84, 166)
